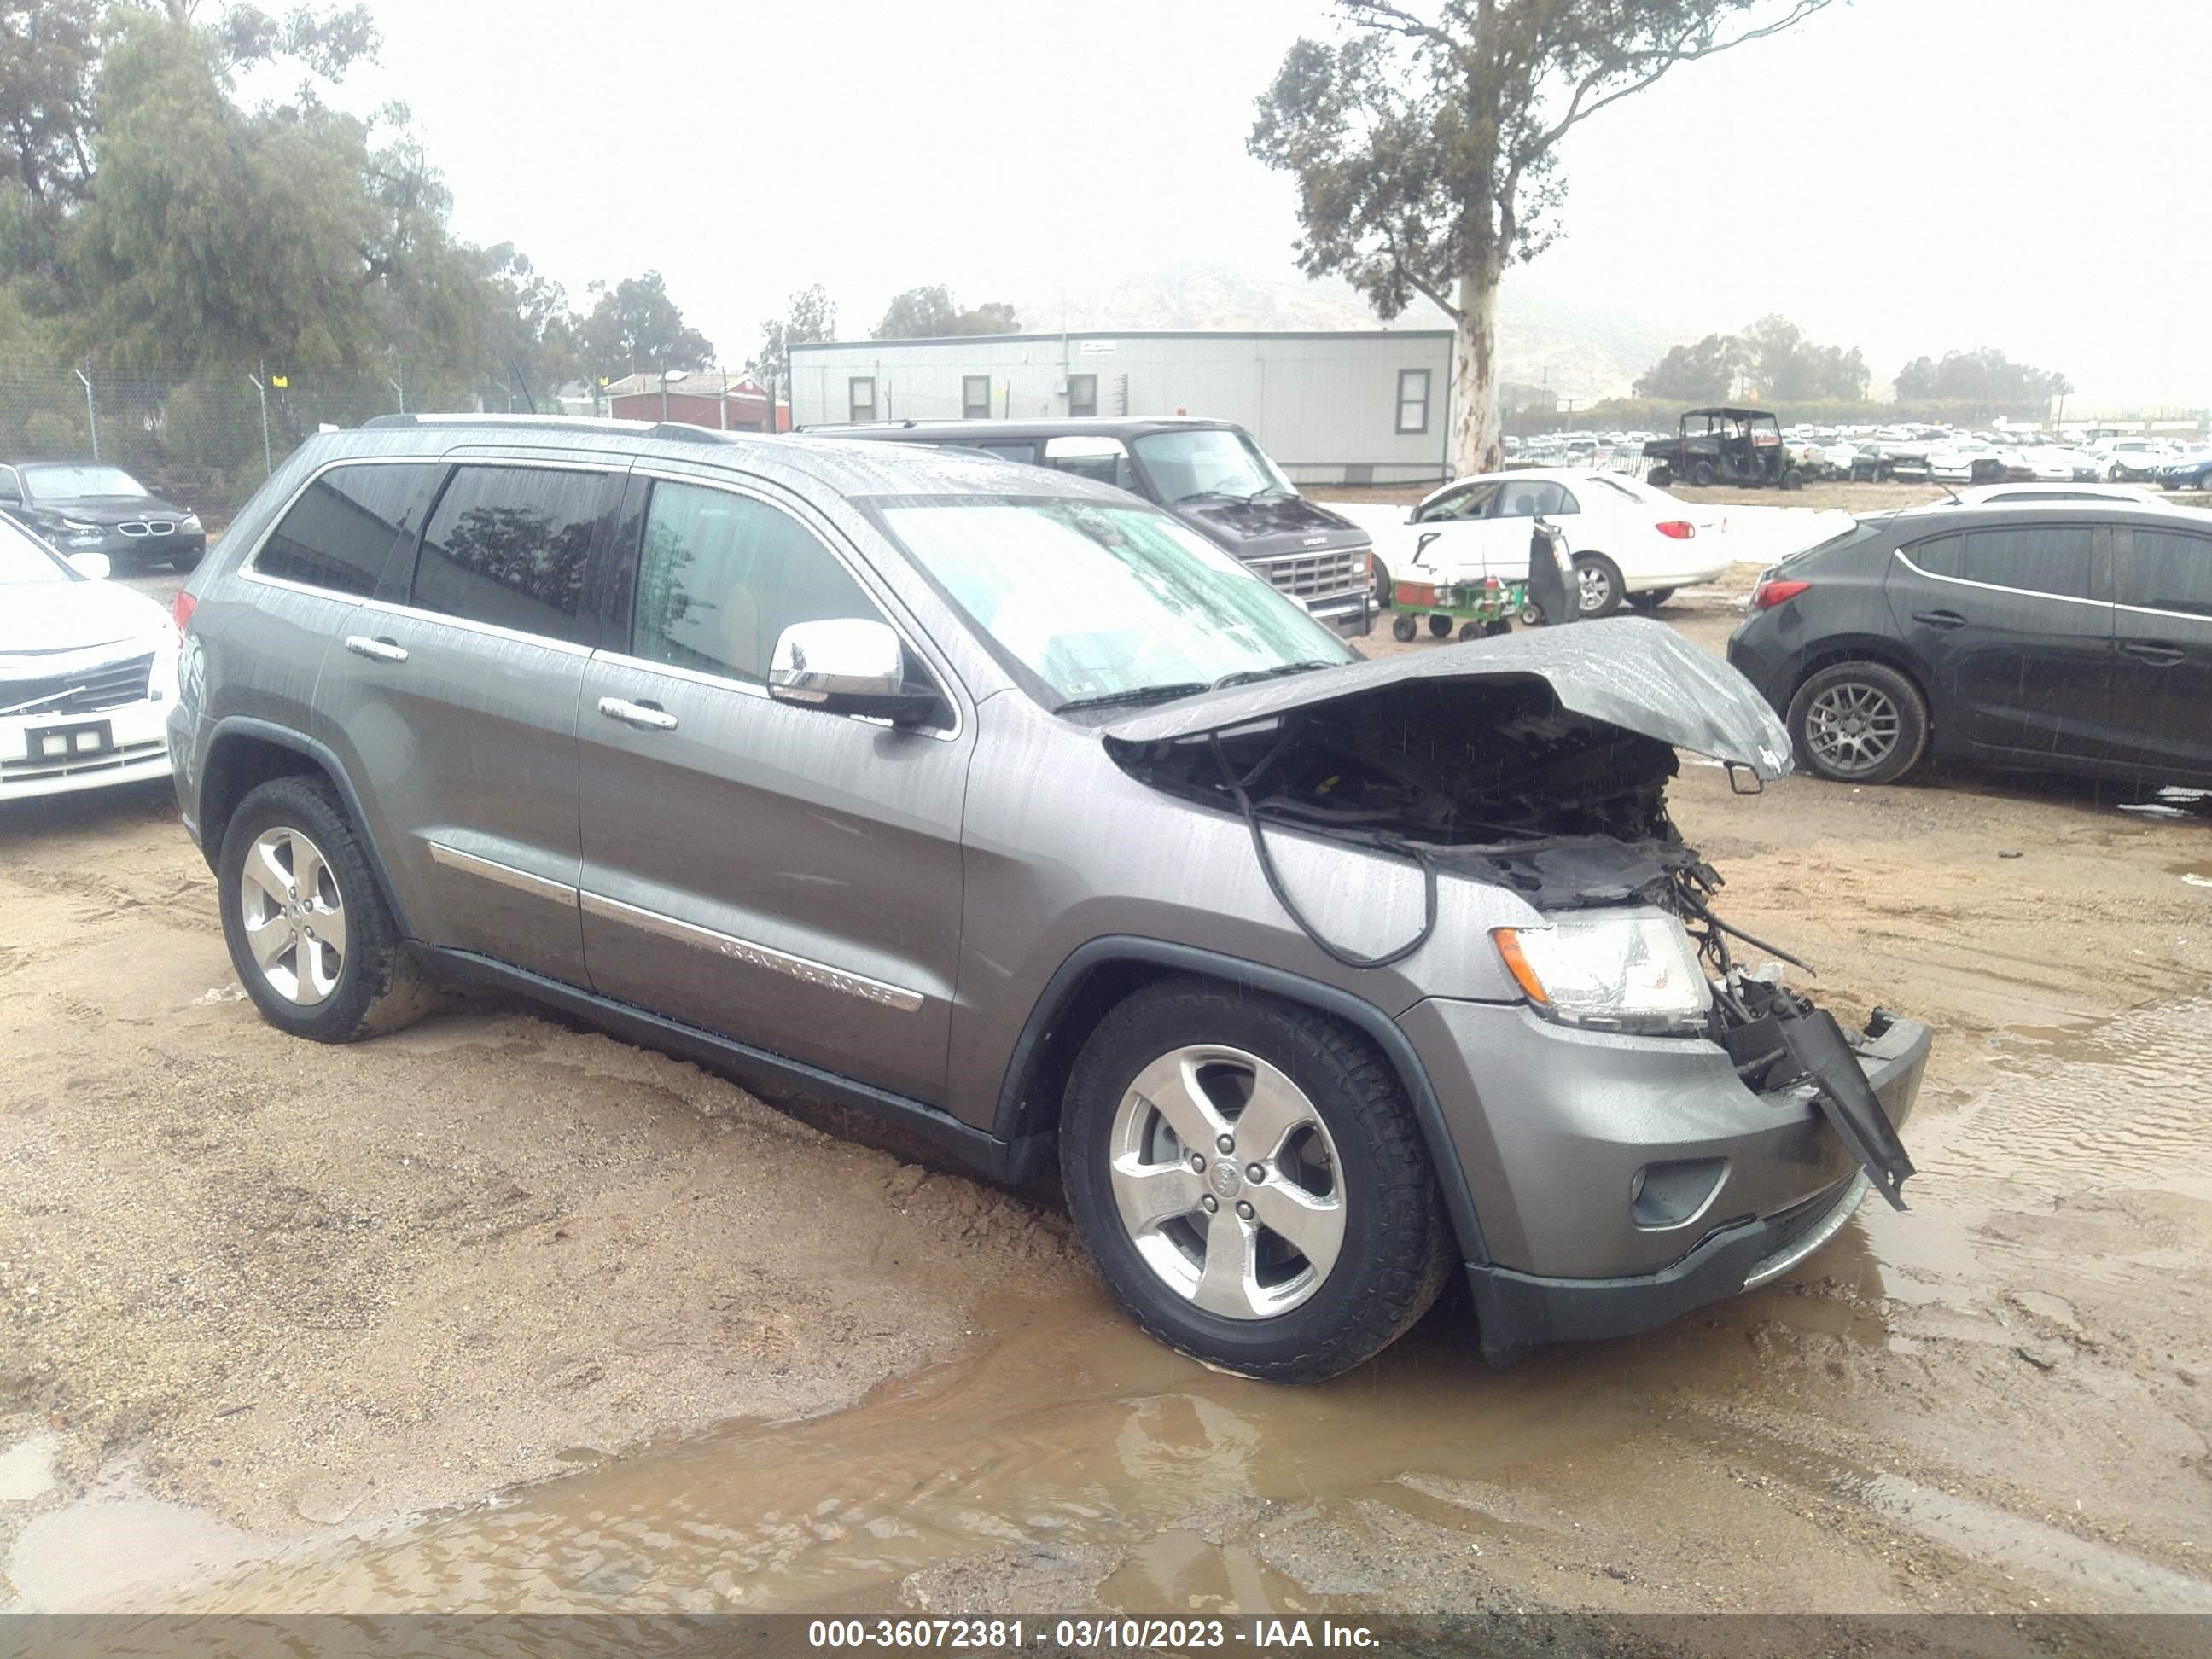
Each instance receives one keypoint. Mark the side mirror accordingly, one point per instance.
(848, 665)
(95, 565)
(1413, 515)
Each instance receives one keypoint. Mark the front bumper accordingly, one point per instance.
(39, 753)
(1351, 615)
(1621, 1180)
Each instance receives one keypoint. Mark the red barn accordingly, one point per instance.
(727, 403)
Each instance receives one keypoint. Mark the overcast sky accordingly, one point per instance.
(1904, 175)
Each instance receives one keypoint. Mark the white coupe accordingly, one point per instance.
(1631, 544)
(87, 670)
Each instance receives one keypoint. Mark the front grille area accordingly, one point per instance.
(1322, 574)
(110, 685)
(40, 769)
(148, 527)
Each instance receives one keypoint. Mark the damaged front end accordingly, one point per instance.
(1538, 764)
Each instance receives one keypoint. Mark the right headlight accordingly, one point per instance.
(1613, 970)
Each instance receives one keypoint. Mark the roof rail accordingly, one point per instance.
(680, 432)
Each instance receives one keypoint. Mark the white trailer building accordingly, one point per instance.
(1365, 407)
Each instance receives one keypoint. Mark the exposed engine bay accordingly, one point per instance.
(1494, 780)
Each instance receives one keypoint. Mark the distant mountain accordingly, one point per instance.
(1581, 353)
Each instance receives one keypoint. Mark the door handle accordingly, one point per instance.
(375, 650)
(2157, 654)
(1940, 618)
(642, 714)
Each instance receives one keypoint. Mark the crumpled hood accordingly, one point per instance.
(42, 619)
(1628, 671)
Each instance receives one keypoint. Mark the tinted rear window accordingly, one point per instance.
(2051, 559)
(341, 532)
(508, 546)
(2171, 571)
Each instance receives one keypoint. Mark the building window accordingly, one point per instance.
(862, 391)
(1083, 394)
(1413, 400)
(976, 398)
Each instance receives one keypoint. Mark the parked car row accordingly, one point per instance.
(1943, 456)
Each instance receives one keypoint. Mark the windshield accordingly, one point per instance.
(1207, 461)
(23, 562)
(78, 483)
(1098, 602)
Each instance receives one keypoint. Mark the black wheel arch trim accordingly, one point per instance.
(1016, 1113)
(283, 737)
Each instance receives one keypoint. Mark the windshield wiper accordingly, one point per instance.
(1137, 693)
(1212, 495)
(1247, 676)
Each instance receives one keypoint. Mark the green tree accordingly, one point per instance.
(925, 314)
(1424, 143)
(1984, 377)
(635, 326)
(527, 330)
(812, 317)
(1781, 364)
(1701, 373)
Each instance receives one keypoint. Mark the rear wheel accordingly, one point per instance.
(1440, 626)
(314, 943)
(1859, 722)
(1660, 477)
(1247, 1177)
(1597, 585)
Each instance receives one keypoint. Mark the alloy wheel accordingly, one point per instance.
(1852, 727)
(294, 916)
(1225, 1178)
(1594, 586)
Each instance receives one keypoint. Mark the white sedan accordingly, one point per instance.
(1631, 544)
(88, 671)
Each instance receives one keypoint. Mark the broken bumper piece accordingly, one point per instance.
(1517, 1312)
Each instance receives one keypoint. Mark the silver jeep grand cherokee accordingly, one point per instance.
(997, 805)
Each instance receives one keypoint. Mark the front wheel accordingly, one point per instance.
(1247, 1177)
(184, 563)
(314, 943)
(1793, 479)
(1702, 474)
(1598, 585)
(1859, 722)
(1650, 599)
(1440, 627)
(1402, 629)
(1660, 477)
(1385, 594)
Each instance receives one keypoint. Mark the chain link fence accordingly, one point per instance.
(204, 438)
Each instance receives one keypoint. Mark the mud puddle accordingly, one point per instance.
(1069, 1457)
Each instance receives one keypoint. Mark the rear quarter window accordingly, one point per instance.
(343, 531)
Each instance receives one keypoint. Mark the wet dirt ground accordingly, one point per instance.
(500, 1313)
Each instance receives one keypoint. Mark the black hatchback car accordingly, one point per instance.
(2063, 636)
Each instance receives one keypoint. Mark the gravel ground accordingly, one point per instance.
(269, 1302)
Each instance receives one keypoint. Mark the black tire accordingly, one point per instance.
(1402, 627)
(1660, 477)
(1440, 627)
(379, 985)
(183, 563)
(1650, 599)
(1615, 593)
(1793, 479)
(1701, 474)
(1821, 750)
(1395, 1251)
(1385, 594)
(1497, 630)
